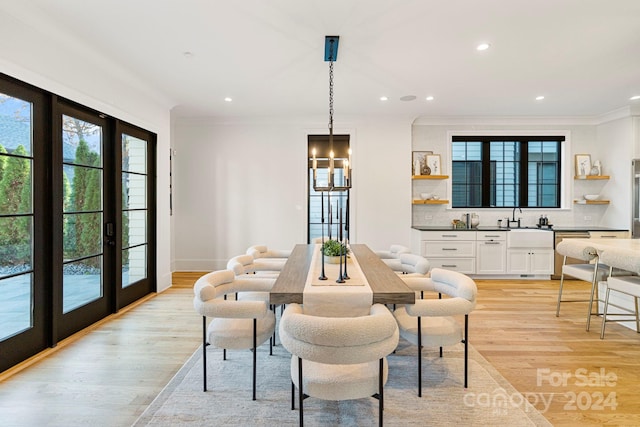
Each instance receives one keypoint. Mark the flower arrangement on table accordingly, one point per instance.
(334, 248)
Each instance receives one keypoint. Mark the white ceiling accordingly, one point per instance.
(582, 55)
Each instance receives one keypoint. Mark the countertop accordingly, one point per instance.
(496, 228)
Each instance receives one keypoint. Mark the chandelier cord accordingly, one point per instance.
(331, 90)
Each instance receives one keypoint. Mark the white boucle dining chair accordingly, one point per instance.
(262, 251)
(629, 284)
(246, 264)
(266, 259)
(235, 324)
(338, 358)
(392, 256)
(412, 264)
(430, 322)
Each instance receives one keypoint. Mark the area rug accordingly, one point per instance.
(488, 401)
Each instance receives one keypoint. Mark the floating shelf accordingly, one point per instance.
(591, 202)
(588, 177)
(430, 202)
(430, 177)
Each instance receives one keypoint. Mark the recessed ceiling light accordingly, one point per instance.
(483, 46)
(383, 98)
(430, 98)
(635, 97)
(227, 99)
(407, 98)
(187, 54)
(539, 98)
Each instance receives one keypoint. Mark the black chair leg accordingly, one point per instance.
(300, 391)
(204, 351)
(466, 348)
(293, 396)
(419, 357)
(380, 391)
(255, 326)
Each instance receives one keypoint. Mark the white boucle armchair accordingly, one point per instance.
(266, 259)
(246, 264)
(392, 256)
(416, 265)
(236, 324)
(338, 358)
(440, 328)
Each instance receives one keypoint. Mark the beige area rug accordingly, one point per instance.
(489, 401)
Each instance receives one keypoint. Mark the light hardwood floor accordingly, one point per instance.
(108, 374)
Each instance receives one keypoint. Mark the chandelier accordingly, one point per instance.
(331, 55)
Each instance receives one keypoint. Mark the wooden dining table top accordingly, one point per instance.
(385, 284)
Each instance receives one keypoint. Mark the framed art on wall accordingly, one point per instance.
(583, 164)
(433, 163)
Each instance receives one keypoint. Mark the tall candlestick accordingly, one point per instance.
(340, 210)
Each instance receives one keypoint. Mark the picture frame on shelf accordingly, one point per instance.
(583, 164)
(434, 164)
(419, 163)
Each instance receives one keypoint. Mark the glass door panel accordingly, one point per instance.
(134, 210)
(16, 216)
(82, 180)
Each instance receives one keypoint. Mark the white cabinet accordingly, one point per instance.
(452, 250)
(479, 252)
(491, 252)
(530, 261)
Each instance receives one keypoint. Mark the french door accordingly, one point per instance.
(77, 227)
(24, 150)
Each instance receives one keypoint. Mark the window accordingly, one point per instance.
(506, 171)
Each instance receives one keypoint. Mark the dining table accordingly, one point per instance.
(386, 285)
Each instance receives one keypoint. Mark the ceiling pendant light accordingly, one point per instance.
(330, 55)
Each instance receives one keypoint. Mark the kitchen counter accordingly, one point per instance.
(479, 228)
(562, 228)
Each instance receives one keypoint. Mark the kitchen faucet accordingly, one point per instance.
(513, 219)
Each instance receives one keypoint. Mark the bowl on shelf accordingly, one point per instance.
(426, 196)
(435, 197)
(591, 196)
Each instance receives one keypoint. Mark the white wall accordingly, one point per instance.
(615, 149)
(38, 56)
(240, 184)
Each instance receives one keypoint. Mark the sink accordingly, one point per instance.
(529, 238)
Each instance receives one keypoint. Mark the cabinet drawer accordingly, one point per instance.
(609, 234)
(461, 265)
(448, 235)
(491, 235)
(449, 249)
